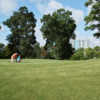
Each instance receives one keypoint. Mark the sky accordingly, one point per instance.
(41, 7)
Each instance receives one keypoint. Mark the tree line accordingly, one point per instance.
(57, 28)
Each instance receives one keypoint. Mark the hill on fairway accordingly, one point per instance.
(50, 80)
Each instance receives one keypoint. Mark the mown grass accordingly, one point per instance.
(50, 80)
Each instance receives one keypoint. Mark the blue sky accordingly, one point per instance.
(41, 7)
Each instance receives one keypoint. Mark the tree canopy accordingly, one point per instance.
(22, 26)
(58, 28)
(0, 27)
(93, 18)
(2, 46)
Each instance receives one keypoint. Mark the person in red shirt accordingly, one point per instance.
(14, 57)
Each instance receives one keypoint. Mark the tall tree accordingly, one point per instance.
(2, 46)
(93, 18)
(58, 29)
(22, 26)
(0, 27)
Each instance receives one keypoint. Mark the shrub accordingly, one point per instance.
(88, 53)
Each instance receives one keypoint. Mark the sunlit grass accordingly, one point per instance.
(50, 80)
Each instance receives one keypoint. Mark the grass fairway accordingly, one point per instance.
(50, 80)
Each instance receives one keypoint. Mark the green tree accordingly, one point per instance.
(93, 18)
(7, 52)
(0, 27)
(22, 26)
(37, 50)
(78, 55)
(90, 53)
(58, 29)
(97, 51)
(2, 46)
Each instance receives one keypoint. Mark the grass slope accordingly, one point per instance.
(50, 80)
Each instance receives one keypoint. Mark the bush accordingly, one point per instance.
(88, 53)
(78, 55)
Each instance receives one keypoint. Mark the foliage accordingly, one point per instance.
(97, 52)
(88, 53)
(78, 55)
(7, 52)
(2, 46)
(0, 27)
(22, 26)
(58, 29)
(37, 50)
(93, 19)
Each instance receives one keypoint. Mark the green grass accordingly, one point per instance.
(50, 80)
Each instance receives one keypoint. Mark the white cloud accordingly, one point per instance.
(53, 5)
(38, 1)
(2, 28)
(39, 36)
(50, 7)
(3, 34)
(77, 14)
(94, 42)
(7, 6)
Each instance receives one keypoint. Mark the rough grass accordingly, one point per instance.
(50, 80)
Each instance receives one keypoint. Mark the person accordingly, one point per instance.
(18, 58)
(14, 57)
